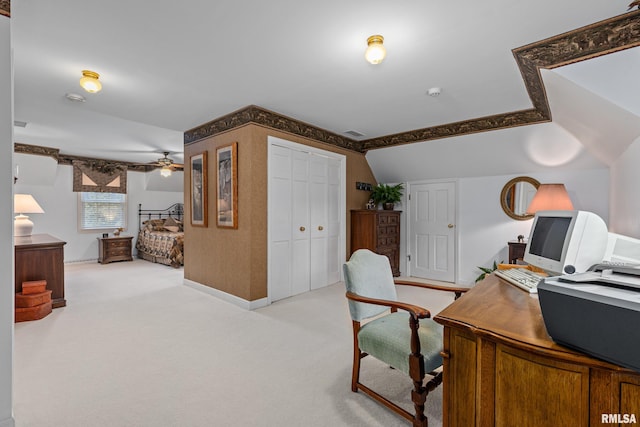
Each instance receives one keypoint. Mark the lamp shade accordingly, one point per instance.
(550, 197)
(165, 171)
(25, 203)
(22, 204)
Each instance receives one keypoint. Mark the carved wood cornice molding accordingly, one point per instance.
(5, 8)
(67, 159)
(604, 37)
(483, 124)
(264, 117)
(36, 150)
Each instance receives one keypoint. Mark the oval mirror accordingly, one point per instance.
(516, 196)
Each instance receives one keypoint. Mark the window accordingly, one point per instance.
(102, 211)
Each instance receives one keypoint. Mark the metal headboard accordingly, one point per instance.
(175, 211)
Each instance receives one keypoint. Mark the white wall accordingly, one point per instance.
(52, 185)
(625, 192)
(483, 229)
(6, 227)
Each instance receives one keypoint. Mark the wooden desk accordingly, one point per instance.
(501, 368)
(41, 257)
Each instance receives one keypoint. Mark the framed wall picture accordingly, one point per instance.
(199, 214)
(227, 188)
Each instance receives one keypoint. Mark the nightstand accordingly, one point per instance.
(516, 251)
(112, 249)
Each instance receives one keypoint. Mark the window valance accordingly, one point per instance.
(99, 176)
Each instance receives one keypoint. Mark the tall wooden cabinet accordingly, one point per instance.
(378, 231)
(501, 368)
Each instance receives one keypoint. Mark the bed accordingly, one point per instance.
(161, 235)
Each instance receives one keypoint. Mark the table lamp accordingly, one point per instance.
(24, 204)
(550, 197)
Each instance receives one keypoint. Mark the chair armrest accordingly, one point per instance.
(416, 312)
(457, 290)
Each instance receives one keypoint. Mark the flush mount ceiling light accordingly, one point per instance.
(376, 52)
(90, 82)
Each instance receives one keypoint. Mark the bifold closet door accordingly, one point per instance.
(300, 230)
(305, 221)
(280, 222)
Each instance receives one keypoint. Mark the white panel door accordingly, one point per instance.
(280, 262)
(306, 219)
(432, 231)
(300, 225)
(334, 262)
(318, 180)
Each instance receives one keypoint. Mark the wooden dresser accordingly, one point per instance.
(112, 249)
(501, 368)
(378, 231)
(41, 257)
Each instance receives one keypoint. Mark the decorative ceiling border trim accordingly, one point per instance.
(601, 38)
(67, 159)
(5, 8)
(261, 116)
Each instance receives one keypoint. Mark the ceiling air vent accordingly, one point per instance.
(354, 133)
(20, 124)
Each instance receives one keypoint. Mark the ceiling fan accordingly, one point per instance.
(167, 165)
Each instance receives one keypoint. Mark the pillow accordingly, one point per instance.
(170, 222)
(155, 224)
(173, 228)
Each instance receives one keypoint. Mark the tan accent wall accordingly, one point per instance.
(235, 261)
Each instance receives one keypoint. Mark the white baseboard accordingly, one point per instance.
(9, 422)
(242, 303)
(81, 261)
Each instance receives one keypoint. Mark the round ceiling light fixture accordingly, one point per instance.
(375, 52)
(90, 82)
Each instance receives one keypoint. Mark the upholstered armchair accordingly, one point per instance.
(407, 340)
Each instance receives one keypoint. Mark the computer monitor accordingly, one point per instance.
(566, 241)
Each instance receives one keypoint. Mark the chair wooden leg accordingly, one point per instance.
(417, 374)
(357, 355)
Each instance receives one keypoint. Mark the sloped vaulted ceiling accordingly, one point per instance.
(601, 38)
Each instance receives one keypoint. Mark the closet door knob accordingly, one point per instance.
(320, 228)
(450, 225)
(302, 228)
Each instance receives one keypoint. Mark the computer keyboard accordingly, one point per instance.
(522, 278)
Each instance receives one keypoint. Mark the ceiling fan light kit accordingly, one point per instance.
(90, 82)
(167, 165)
(376, 51)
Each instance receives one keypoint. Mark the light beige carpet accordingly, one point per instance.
(135, 347)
